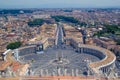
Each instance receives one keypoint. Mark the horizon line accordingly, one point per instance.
(68, 8)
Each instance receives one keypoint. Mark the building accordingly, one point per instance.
(105, 42)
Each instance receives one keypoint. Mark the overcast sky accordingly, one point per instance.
(59, 3)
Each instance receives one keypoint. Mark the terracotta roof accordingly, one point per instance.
(4, 65)
(8, 61)
(15, 66)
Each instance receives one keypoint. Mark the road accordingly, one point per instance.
(59, 38)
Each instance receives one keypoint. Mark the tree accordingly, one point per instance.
(118, 42)
(36, 22)
(14, 45)
(69, 19)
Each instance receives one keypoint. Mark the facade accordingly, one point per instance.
(24, 51)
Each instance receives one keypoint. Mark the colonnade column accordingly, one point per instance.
(81, 50)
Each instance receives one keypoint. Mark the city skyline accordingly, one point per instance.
(59, 4)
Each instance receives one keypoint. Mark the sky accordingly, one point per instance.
(59, 3)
